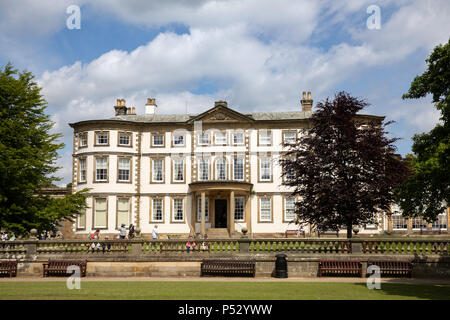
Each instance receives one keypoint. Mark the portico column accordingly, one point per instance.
(231, 217)
(203, 202)
(248, 214)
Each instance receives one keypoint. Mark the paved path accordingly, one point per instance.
(225, 279)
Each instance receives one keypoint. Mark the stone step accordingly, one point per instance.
(217, 233)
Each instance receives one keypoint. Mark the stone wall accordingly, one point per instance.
(188, 265)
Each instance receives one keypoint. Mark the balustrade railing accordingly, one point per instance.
(145, 247)
(410, 246)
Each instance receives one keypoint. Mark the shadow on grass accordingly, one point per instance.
(414, 290)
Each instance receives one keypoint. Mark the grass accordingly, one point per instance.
(221, 291)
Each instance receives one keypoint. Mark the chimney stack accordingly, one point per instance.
(120, 107)
(306, 103)
(150, 106)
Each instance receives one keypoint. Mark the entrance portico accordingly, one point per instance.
(219, 211)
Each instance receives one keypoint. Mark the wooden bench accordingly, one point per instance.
(59, 267)
(340, 268)
(392, 268)
(294, 232)
(8, 267)
(238, 268)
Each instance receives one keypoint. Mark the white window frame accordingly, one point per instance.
(174, 139)
(234, 134)
(95, 225)
(239, 205)
(202, 169)
(175, 162)
(263, 160)
(261, 209)
(201, 138)
(223, 135)
(154, 171)
(97, 138)
(174, 214)
(285, 213)
(119, 169)
(154, 211)
(83, 171)
(262, 141)
(287, 141)
(223, 163)
(128, 211)
(123, 134)
(162, 140)
(234, 168)
(97, 168)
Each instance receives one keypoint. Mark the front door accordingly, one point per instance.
(220, 211)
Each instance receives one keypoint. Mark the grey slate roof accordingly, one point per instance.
(185, 117)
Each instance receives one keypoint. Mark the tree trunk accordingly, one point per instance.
(349, 231)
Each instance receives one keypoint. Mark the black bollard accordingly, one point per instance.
(281, 266)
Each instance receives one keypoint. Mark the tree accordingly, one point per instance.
(427, 192)
(28, 152)
(344, 168)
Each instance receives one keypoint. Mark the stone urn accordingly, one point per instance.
(33, 234)
(244, 232)
(138, 232)
(355, 230)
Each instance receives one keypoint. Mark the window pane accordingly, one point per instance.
(238, 138)
(203, 168)
(100, 213)
(178, 170)
(82, 170)
(124, 169)
(178, 139)
(178, 213)
(124, 139)
(101, 170)
(221, 167)
(102, 138)
(203, 138)
(289, 137)
(221, 138)
(289, 208)
(239, 208)
(199, 209)
(82, 220)
(265, 169)
(157, 210)
(265, 209)
(123, 208)
(264, 137)
(157, 170)
(158, 140)
(238, 169)
(83, 140)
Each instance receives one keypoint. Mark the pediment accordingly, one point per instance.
(221, 114)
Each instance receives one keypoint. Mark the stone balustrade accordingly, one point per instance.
(144, 247)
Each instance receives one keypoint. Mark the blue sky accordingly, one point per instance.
(256, 54)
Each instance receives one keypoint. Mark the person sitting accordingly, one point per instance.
(190, 245)
(205, 245)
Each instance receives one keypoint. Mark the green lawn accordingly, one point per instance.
(221, 290)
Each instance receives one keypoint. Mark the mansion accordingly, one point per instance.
(215, 172)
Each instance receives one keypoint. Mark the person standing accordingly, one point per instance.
(123, 231)
(190, 245)
(155, 234)
(131, 231)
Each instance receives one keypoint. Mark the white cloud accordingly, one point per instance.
(261, 55)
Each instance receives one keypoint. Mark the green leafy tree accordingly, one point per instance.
(28, 154)
(427, 192)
